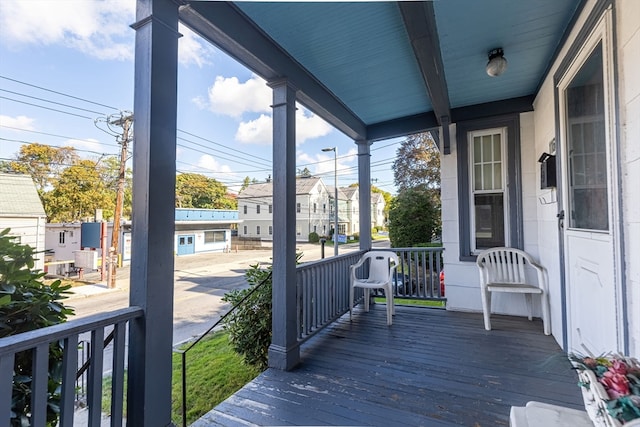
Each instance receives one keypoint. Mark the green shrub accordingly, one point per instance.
(26, 303)
(314, 237)
(249, 325)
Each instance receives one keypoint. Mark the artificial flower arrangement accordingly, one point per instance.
(611, 388)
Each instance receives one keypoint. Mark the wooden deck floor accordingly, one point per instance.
(431, 368)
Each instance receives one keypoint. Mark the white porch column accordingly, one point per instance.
(154, 165)
(284, 352)
(364, 194)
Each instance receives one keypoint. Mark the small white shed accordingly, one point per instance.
(21, 210)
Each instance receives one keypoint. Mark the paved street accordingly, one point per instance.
(201, 280)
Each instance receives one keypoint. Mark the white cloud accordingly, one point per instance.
(233, 98)
(192, 49)
(310, 126)
(19, 122)
(212, 165)
(258, 131)
(99, 29)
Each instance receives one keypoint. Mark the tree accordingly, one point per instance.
(245, 183)
(414, 217)
(27, 304)
(417, 163)
(77, 193)
(43, 162)
(198, 191)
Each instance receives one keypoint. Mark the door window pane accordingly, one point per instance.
(586, 140)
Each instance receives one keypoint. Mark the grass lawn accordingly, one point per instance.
(214, 372)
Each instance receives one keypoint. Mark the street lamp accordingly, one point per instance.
(335, 181)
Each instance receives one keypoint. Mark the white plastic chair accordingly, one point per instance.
(382, 264)
(502, 270)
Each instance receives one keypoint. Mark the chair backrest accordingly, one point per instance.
(503, 265)
(379, 263)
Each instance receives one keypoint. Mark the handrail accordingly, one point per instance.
(183, 352)
(28, 340)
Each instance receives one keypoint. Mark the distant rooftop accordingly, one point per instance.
(18, 196)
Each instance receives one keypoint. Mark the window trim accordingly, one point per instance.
(515, 227)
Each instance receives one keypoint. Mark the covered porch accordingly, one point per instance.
(375, 71)
(432, 368)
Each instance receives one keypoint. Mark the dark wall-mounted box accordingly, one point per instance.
(547, 170)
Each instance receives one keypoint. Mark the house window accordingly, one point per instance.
(324, 208)
(487, 189)
(298, 207)
(324, 229)
(257, 209)
(214, 236)
(315, 228)
(271, 230)
(489, 184)
(258, 229)
(61, 238)
(270, 208)
(314, 208)
(245, 210)
(244, 230)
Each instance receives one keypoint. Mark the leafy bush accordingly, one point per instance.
(26, 303)
(249, 325)
(314, 237)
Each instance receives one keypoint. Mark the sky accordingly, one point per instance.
(68, 66)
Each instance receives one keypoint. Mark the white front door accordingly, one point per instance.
(590, 198)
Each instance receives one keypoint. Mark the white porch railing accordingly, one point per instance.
(38, 342)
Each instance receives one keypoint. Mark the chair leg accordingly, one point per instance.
(546, 317)
(486, 308)
(351, 291)
(390, 308)
(529, 300)
(366, 299)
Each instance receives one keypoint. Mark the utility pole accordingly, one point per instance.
(124, 122)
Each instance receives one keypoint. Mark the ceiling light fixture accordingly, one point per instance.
(497, 63)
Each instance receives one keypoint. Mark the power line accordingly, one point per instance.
(58, 136)
(54, 146)
(46, 108)
(51, 102)
(58, 93)
(222, 145)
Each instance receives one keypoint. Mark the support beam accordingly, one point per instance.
(284, 351)
(420, 21)
(154, 165)
(402, 126)
(364, 193)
